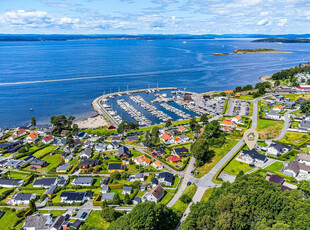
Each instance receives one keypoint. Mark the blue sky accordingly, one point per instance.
(155, 16)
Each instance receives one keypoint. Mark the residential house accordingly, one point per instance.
(294, 168)
(45, 182)
(303, 158)
(18, 133)
(137, 176)
(177, 140)
(107, 196)
(142, 161)
(50, 191)
(126, 190)
(82, 135)
(117, 138)
(59, 142)
(158, 165)
(26, 160)
(113, 145)
(182, 129)
(87, 144)
(252, 156)
(86, 153)
(104, 181)
(77, 223)
(63, 168)
(184, 138)
(274, 115)
(22, 198)
(38, 163)
(75, 197)
(110, 127)
(165, 178)
(124, 152)
(237, 119)
(13, 164)
(305, 123)
(59, 223)
(290, 105)
(180, 152)
(278, 149)
(239, 128)
(136, 200)
(270, 102)
(83, 181)
(64, 133)
(100, 147)
(278, 108)
(173, 159)
(166, 138)
(32, 137)
(89, 163)
(105, 189)
(12, 147)
(11, 183)
(154, 195)
(112, 167)
(132, 139)
(62, 181)
(276, 179)
(38, 221)
(158, 152)
(48, 139)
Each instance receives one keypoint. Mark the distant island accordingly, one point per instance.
(284, 40)
(259, 50)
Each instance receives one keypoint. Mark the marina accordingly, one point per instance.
(175, 110)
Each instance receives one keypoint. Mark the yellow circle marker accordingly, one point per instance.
(250, 137)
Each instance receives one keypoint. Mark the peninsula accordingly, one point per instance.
(284, 40)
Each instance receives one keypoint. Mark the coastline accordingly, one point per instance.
(94, 121)
(265, 78)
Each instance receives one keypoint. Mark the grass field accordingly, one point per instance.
(274, 167)
(294, 138)
(246, 97)
(95, 220)
(54, 212)
(207, 194)
(190, 191)
(42, 152)
(234, 167)
(219, 153)
(8, 220)
(17, 175)
(269, 129)
(294, 97)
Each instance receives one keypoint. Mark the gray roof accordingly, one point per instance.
(50, 190)
(137, 199)
(305, 124)
(83, 180)
(63, 167)
(23, 196)
(127, 189)
(48, 181)
(255, 155)
(279, 146)
(166, 176)
(12, 182)
(273, 113)
(107, 196)
(76, 224)
(303, 157)
(183, 136)
(105, 188)
(58, 222)
(39, 221)
(87, 152)
(139, 175)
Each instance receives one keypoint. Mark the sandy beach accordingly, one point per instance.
(265, 78)
(91, 122)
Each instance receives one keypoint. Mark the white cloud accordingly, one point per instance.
(282, 22)
(264, 22)
(34, 19)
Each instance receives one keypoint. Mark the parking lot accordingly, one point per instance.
(237, 107)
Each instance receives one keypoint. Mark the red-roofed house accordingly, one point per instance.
(166, 138)
(174, 159)
(177, 140)
(182, 128)
(48, 139)
(110, 127)
(32, 137)
(236, 119)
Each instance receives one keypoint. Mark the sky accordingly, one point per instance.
(154, 16)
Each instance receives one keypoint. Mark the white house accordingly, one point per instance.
(303, 158)
(23, 198)
(142, 160)
(237, 119)
(274, 115)
(154, 195)
(158, 165)
(278, 149)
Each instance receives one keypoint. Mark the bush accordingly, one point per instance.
(185, 199)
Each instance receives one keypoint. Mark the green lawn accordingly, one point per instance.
(17, 175)
(219, 153)
(54, 212)
(190, 191)
(8, 219)
(294, 138)
(207, 194)
(44, 151)
(294, 97)
(269, 129)
(52, 162)
(95, 220)
(168, 196)
(262, 143)
(274, 167)
(246, 97)
(234, 167)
